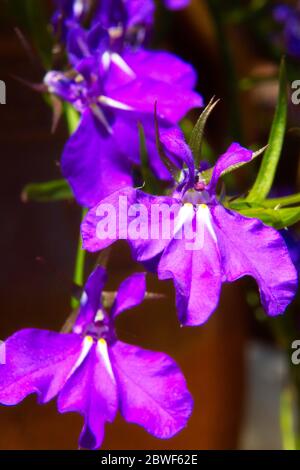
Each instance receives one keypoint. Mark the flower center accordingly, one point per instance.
(102, 327)
(196, 197)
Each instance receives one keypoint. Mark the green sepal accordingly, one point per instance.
(72, 117)
(278, 218)
(197, 134)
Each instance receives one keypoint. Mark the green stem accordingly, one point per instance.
(79, 267)
(282, 201)
(72, 119)
(266, 175)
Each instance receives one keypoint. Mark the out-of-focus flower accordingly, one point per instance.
(289, 17)
(94, 374)
(124, 14)
(114, 89)
(66, 14)
(176, 4)
(226, 245)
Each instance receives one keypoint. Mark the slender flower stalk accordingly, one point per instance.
(72, 119)
(79, 267)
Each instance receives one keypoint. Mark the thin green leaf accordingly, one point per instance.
(56, 190)
(272, 203)
(266, 174)
(197, 134)
(240, 204)
(277, 218)
(283, 201)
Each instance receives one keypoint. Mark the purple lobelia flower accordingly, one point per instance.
(289, 17)
(208, 244)
(114, 89)
(94, 374)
